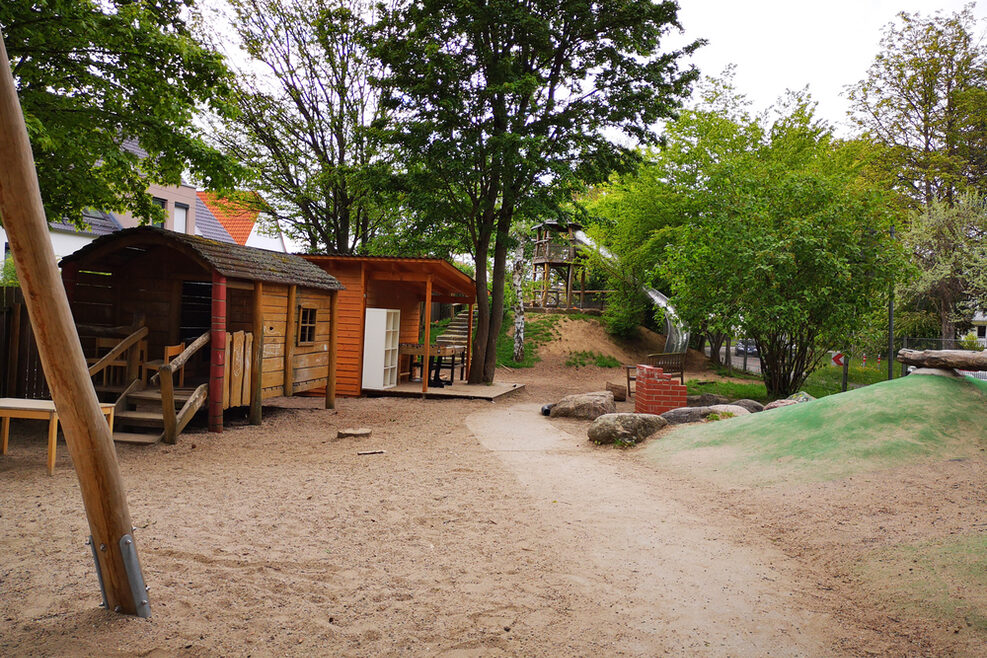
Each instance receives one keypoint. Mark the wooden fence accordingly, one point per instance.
(236, 383)
(20, 363)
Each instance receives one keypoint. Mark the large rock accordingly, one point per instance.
(685, 415)
(752, 406)
(585, 405)
(723, 409)
(706, 399)
(779, 403)
(625, 429)
(959, 359)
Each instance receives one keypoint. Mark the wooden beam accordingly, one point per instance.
(363, 323)
(289, 341)
(86, 432)
(333, 346)
(428, 331)
(410, 277)
(257, 358)
(217, 352)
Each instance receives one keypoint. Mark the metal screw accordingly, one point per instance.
(144, 602)
(89, 542)
(128, 542)
(116, 609)
(102, 547)
(133, 528)
(147, 588)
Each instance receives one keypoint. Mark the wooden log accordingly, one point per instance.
(257, 359)
(170, 434)
(619, 391)
(236, 370)
(193, 404)
(217, 353)
(86, 431)
(959, 359)
(245, 387)
(428, 332)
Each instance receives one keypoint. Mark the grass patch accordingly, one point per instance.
(827, 380)
(583, 359)
(733, 390)
(539, 329)
(917, 418)
(945, 578)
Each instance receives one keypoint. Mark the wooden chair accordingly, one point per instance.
(170, 352)
(116, 370)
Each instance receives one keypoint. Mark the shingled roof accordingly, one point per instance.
(231, 260)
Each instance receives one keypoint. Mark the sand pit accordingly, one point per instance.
(282, 539)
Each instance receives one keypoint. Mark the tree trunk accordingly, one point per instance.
(497, 296)
(482, 310)
(518, 281)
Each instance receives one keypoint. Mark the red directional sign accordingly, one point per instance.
(838, 359)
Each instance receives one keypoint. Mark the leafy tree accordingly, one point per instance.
(947, 247)
(789, 245)
(306, 106)
(92, 74)
(924, 99)
(506, 108)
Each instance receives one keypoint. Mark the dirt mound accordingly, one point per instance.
(588, 335)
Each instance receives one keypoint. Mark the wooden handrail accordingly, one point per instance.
(175, 422)
(120, 348)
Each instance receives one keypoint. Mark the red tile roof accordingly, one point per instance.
(236, 215)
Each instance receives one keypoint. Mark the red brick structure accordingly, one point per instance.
(656, 392)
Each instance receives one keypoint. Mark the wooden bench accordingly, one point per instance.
(671, 363)
(39, 410)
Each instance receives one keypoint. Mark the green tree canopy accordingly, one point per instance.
(925, 99)
(507, 107)
(93, 74)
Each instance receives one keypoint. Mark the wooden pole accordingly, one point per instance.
(428, 331)
(217, 347)
(289, 342)
(333, 347)
(86, 432)
(257, 358)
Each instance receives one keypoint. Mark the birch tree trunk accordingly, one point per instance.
(518, 281)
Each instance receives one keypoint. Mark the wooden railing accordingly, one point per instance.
(129, 345)
(175, 422)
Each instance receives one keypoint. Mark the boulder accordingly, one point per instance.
(706, 399)
(625, 429)
(801, 396)
(585, 405)
(752, 406)
(723, 409)
(779, 403)
(685, 415)
(619, 391)
(939, 372)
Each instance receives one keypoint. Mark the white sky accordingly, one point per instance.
(788, 44)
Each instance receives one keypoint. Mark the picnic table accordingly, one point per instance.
(39, 410)
(436, 355)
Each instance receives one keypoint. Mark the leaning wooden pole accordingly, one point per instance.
(86, 432)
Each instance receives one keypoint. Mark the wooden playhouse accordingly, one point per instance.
(190, 310)
(381, 294)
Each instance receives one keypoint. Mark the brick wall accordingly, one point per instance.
(657, 392)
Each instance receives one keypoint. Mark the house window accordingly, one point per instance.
(306, 325)
(163, 204)
(180, 223)
(982, 331)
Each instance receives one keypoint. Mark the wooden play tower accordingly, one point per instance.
(555, 261)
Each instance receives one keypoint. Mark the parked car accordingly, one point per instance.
(746, 346)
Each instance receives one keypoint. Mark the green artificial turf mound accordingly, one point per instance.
(916, 418)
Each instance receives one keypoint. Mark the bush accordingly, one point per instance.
(624, 311)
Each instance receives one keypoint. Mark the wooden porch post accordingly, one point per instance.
(257, 356)
(428, 332)
(469, 341)
(217, 362)
(289, 342)
(333, 344)
(86, 432)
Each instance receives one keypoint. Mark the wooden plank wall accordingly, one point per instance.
(310, 364)
(349, 353)
(404, 297)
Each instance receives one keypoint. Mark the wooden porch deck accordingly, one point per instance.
(460, 390)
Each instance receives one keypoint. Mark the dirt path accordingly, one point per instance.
(682, 584)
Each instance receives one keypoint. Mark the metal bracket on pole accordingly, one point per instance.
(134, 576)
(99, 571)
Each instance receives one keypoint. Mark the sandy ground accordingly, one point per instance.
(483, 529)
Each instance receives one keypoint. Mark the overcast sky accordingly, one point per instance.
(788, 44)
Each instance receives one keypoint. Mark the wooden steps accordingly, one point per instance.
(143, 418)
(136, 438)
(154, 396)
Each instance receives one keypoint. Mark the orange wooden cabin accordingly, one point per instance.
(408, 285)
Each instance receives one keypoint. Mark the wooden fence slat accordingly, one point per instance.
(226, 375)
(248, 350)
(236, 368)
